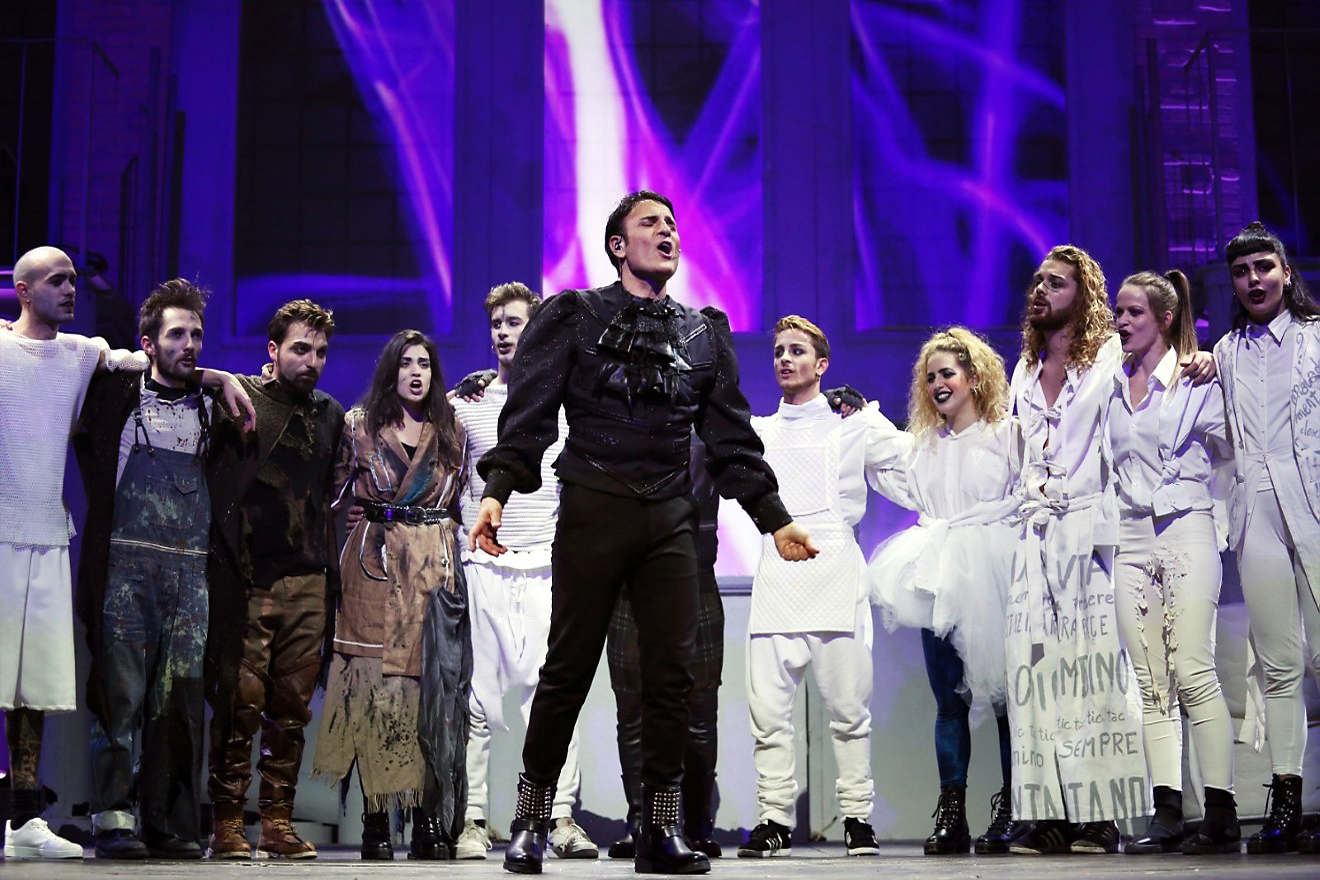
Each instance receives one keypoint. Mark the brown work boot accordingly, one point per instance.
(228, 839)
(279, 840)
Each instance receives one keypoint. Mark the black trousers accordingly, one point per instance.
(703, 707)
(604, 544)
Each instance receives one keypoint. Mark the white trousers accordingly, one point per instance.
(510, 613)
(841, 666)
(1279, 605)
(36, 629)
(1167, 580)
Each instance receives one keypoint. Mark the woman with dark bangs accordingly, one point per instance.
(396, 697)
(1269, 364)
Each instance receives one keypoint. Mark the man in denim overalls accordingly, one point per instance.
(142, 584)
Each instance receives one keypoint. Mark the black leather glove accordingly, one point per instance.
(844, 395)
(474, 383)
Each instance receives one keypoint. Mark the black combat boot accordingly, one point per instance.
(376, 845)
(951, 834)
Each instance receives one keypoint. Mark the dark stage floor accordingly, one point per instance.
(816, 862)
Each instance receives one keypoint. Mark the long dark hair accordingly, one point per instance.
(1296, 298)
(381, 399)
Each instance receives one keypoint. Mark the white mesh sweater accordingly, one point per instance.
(42, 385)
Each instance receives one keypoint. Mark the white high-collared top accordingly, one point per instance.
(1264, 376)
(821, 463)
(1167, 447)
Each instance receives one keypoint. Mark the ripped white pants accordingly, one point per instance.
(1166, 583)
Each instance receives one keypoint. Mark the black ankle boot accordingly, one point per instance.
(698, 818)
(1219, 833)
(428, 841)
(376, 846)
(1002, 828)
(660, 847)
(530, 828)
(951, 834)
(1165, 832)
(1283, 821)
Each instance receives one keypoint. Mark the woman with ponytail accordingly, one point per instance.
(1167, 440)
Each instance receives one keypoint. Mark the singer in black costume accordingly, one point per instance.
(635, 372)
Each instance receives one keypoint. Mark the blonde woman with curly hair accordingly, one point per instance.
(949, 574)
(1077, 764)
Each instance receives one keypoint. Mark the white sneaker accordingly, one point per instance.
(569, 841)
(473, 842)
(35, 840)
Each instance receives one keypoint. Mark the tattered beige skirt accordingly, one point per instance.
(371, 719)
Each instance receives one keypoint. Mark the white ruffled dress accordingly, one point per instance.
(950, 572)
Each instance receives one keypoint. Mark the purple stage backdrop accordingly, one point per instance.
(959, 158)
(665, 96)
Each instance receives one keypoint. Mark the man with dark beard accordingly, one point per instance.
(1061, 617)
(272, 567)
(142, 591)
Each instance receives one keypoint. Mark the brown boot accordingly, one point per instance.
(279, 840)
(228, 839)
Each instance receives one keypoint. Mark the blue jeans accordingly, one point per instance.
(953, 735)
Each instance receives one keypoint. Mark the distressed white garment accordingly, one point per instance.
(1167, 587)
(1072, 692)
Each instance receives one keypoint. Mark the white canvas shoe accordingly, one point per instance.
(569, 841)
(35, 840)
(473, 842)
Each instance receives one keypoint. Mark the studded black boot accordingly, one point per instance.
(530, 828)
(951, 834)
(1283, 821)
(1165, 832)
(661, 848)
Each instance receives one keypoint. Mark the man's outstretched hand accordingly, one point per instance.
(794, 543)
(1199, 366)
(488, 523)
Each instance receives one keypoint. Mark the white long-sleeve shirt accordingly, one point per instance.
(1065, 446)
(1167, 447)
(1264, 360)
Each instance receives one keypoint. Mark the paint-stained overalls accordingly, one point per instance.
(155, 621)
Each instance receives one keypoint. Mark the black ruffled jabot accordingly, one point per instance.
(644, 339)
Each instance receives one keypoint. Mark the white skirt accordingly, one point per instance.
(954, 581)
(36, 629)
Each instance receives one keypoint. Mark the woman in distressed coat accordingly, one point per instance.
(396, 692)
